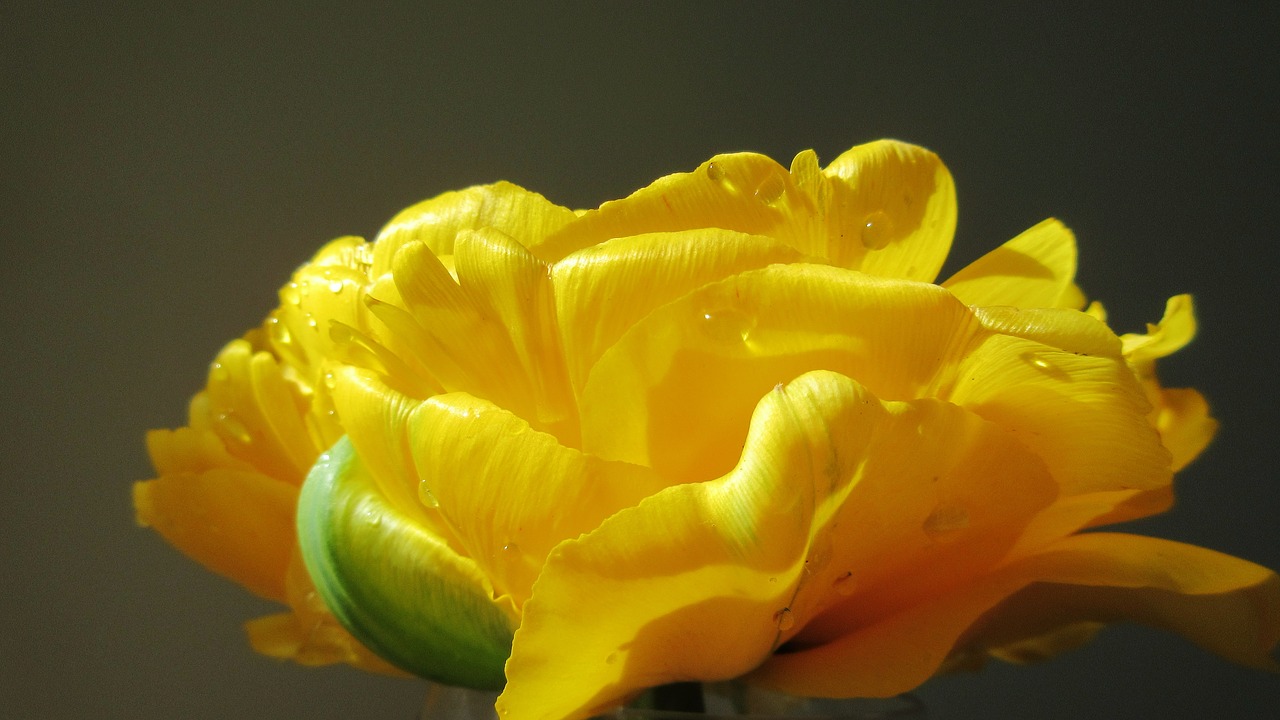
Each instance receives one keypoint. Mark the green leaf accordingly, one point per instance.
(398, 588)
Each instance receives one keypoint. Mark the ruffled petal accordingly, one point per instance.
(1056, 379)
(889, 210)
(1034, 270)
(838, 498)
(521, 214)
(603, 290)
(1228, 605)
(743, 192)
(396, 587)
(512, 493)
(237, 523)
(676, 392)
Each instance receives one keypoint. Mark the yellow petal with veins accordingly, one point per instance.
(839, 500)
(1035, 269)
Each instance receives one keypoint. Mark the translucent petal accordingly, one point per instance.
(1171, 334)
(838, 498)
(889, 210)
(1035, 269)
(1230, 606)
(238, 524)
(1184, 424)
(396, 587)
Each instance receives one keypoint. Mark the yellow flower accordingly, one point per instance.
(724, 427)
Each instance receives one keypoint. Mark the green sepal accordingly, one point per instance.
(394, 585)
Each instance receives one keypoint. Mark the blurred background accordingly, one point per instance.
(166, 167)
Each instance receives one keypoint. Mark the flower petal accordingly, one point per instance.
(237, 523)
(1228, 605)
(524, 215)
(676, 392)
(742, 192)
(890, 210)
(1035, 269)
(603, 290)
(396, 587)
(512, 493)
(832, 483)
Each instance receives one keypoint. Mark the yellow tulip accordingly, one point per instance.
(726, 427)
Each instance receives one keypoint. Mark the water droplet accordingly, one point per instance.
(311, 321)
(511, 549)
(279, 332)
(715, 172)
(771, 189)
(335, 286)
(845, 584)
(329, 380)
(374, 519)
(427, 497)
(324, 458)
(785, 619)
(727, 325)
(876, 230)
(218, 373)
(290, 294)
(945, 521)
(231, 426)
(773, 579)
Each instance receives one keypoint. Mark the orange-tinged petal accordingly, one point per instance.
(526, 216)
(1228, 605)
(1035, 269)
(238, 524)
(512, 493)
(603, 290)
(832, 483)
(1184, 424)
(889, 209)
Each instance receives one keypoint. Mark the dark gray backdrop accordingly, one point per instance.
(165, 169)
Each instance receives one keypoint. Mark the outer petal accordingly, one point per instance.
(399, 589)
(237, 523)
(837, 497)
(1035, 269)
(526, 216)
(1228, 605)
(742, 192)
(890, 210)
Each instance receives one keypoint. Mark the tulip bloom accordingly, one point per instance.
(726, 427)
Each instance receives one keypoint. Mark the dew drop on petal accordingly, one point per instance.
(845, 584)
(231, 426)
(770, 189)
(727, 325)
(335, 286)
(945, 521)
(427, 497)
(218, 373)
(785, 619)
(876, 230)
(279, 332)
(715, 172)
(290, 294)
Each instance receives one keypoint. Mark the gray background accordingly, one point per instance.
(164, 170)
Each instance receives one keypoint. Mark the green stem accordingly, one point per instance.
(684, 697)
